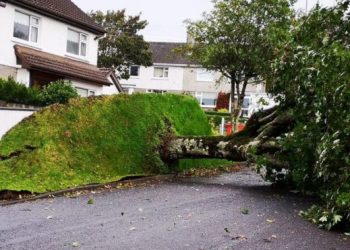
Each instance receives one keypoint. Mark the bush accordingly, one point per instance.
(12, 91)
(58, 92)
(223, 101)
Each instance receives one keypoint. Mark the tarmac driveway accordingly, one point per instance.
(233, 211)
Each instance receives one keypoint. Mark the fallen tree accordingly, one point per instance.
(258, 137)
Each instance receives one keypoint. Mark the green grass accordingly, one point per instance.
(95, 140)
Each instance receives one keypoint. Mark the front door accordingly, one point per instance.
(40, 79)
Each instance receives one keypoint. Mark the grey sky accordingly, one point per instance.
(166, 17)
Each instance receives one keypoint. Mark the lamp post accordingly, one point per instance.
(306, 6)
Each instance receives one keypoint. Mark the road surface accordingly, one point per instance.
(232, 211)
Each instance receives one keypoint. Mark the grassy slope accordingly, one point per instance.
(95, 141)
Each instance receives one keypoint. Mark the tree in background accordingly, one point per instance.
(122, 46)
(240, 39)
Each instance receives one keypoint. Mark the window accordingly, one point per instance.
(161, 72)
(206, 99)
(245, 106)
(82, 92)
(77, 43)
(204, 75)
(85, 92)
(26, 27)
(156, 91)
(135, 71)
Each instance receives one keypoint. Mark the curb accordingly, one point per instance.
(135, 180)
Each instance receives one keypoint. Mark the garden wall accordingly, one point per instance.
(12, 114)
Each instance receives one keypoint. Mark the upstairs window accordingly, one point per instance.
(204, 75)
(161, 72)
(26, 27)
(76, 43)
(135, 71)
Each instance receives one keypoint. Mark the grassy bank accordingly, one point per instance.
(94, 140)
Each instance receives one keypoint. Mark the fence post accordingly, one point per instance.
(222, 126)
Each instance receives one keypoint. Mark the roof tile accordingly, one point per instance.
(163, 53)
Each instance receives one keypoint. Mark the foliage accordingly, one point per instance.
(95, 140)
(312, 79)
(11, 91)
(122, 46)
(240, 39)
(223, 101)
(58, 92)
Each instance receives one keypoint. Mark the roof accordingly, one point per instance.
(37, 60)
(110, 73)
(163, 52)
(62, 10)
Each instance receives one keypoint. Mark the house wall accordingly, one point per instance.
(191, 84)
(6, 71)
(146, 80)
(110, 90)
(52, 39)
(23, 76)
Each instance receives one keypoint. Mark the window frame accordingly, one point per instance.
(80, 42)
(138, 71)
(245, 110)
(201, 70)
(31, 26)
(164, 70)
(90, 92)
(200, 95)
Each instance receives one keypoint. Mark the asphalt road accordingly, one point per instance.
(198, 213)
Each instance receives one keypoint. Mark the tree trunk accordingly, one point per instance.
(258, 138)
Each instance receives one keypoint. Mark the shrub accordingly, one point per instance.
(223, 101)
(12, 91)
(58, 92)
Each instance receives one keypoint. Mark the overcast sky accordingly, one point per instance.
(165, 17)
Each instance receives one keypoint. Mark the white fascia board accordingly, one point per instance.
(176, 65)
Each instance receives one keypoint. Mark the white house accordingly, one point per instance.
(173, 73)
(45, 40)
